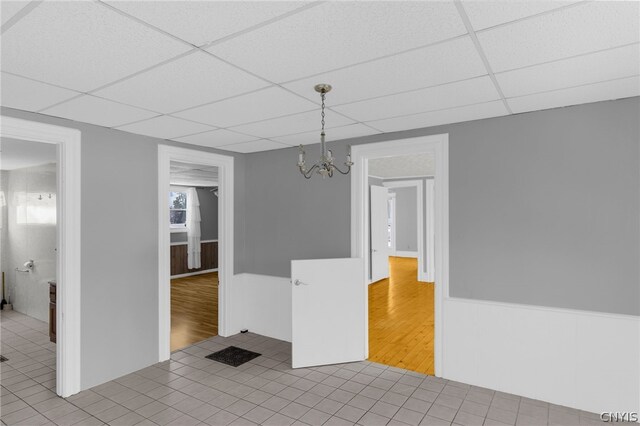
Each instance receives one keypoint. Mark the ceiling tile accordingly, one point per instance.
(596, 67)
(101, 112)
(485, 14)
(443, 63)
(215, 138)
(29, 95)
(254, 146)
(333, 134)
(561, 34)
(82, 45)
(337, 34)
(451, 95)
(200, 22)
(189, 81)
(297, 123)
(165, 127)
(8, 9)
(436, 118)
(260, 105)
(616, 89)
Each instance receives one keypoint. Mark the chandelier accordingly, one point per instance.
(325, 167)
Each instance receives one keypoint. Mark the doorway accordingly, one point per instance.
(194, 277)
(193, 222)
(28, 228)
(404, 292)
(44, 208)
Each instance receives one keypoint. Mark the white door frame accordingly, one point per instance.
(417, 184)
(68, 273)
(225, 163)
(439, 145)
(392, 199)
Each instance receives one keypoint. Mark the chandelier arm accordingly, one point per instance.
(341, 172)
(308, 173)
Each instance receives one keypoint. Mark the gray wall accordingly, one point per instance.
(544, 208)
(120, 257)
(208, 215)
(289, 217)
(406, 219)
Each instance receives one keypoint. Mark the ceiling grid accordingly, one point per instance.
(246, 85)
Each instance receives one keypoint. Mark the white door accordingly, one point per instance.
(379, 233)
(328, 308)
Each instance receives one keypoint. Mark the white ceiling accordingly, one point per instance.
(192, 174)
(239, 76)
(402, 166)
(17, 154)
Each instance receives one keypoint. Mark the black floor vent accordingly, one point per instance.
(233, 356)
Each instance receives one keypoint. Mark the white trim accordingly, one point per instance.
(494, 345)
(420, 218)
(429, 193)
(392, 237)
(439, 144)
(225, 166)
(68, 319)
(191, 274)
(393, 179)
(184, 243)
(413, 254)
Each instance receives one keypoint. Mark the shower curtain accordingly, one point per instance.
(193, 229)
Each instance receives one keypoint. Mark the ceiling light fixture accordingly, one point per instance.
(325, 166)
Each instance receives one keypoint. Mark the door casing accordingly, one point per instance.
(225, 164)
(439, 146)
(68, 267)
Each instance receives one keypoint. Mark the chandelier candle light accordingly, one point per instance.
(325, 166)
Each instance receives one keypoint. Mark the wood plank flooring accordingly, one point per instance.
(401, 316)
(194, 309)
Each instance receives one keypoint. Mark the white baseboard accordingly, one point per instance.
(399, 253)
(584, 360)
(262, 305)
(190, 274)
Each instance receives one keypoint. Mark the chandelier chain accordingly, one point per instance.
(322, 95)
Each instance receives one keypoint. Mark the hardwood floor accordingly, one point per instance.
(401, 315)
(194, 309)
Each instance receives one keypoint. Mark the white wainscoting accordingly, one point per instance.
(584, 360)
(262, 305)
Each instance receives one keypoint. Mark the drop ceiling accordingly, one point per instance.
(239, 76)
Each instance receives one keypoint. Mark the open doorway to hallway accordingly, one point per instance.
(28, 241)
(401, 292)
(193, 221)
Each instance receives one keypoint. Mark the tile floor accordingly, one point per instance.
(191, 390)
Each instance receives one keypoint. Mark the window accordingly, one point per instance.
(178, 210)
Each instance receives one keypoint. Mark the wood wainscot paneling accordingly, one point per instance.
(208, 258)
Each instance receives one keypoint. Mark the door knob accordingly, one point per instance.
(298, 282)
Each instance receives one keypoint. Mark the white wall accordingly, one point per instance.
(580, 359)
